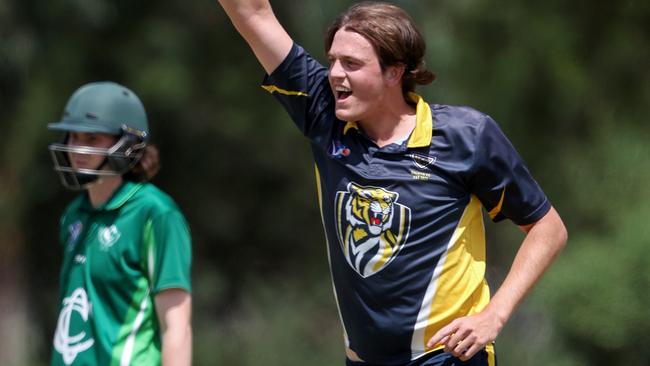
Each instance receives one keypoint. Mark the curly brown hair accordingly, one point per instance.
(147, 167)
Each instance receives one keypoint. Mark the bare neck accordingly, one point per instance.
(393, 123)
(102, 190)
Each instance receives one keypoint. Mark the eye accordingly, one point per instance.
(92, 139)
(351, 64)
(74, 138)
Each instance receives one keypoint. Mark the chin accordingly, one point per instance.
(341, 116)
(346, 115)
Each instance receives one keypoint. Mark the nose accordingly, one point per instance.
(336, 70)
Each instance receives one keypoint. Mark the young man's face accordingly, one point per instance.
(96, 140)
(356, 77)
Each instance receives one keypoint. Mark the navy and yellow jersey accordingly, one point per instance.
(403, 222)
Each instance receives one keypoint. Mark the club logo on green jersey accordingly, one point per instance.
(70, 345)
(74, 230)
(107, 236)
(371, 226)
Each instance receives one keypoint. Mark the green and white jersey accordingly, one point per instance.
(117, 257)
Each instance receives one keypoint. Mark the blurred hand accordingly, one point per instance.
(465, 336)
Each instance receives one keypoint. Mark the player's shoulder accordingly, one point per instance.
(458, 116)
(154, 200)
(462, 127)
(298, 62)
(70, 211)
(462, 122)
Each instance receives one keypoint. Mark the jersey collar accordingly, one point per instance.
(119, 198)
(421, 135)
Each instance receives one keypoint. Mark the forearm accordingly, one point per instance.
(465, 336)
(255, 21)
(174, 310)
(540, 247)
(241, 10)
(177, 346)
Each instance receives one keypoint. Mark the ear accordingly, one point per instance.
(393, 74)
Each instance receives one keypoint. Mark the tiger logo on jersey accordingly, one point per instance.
(371, 226)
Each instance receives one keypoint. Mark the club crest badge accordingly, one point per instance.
(108, 236)
(422, 161)
(371, 227)
(76, 308)
(422, 165)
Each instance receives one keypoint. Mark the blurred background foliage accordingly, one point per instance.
(569, 83)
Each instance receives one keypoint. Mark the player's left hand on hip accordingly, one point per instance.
(464, 337)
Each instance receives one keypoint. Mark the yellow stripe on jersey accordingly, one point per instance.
(274, 89)
(340, 225)
(495, 211)
(329, 260)
(461, 288)
(492, 360)
(457, 286)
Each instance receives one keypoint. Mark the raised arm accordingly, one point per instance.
(255, 21)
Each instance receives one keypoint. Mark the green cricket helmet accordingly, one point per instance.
(101, 107)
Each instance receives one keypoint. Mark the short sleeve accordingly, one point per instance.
(168, 252)
(300, 84)
(502, 181)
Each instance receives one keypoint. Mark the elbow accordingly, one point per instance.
(557, 230)
(256, 12)
(561, 235)
(565, 236)
(178, 336)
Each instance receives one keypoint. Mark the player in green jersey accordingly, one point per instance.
(125, 278)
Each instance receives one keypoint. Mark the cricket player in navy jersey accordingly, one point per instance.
(401, 186)
(125, 278)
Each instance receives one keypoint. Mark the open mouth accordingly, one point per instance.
(342, 93)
